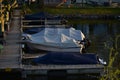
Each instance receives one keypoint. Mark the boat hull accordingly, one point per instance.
(34, 46)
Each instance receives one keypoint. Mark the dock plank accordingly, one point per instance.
(60, 67)
(10, 55)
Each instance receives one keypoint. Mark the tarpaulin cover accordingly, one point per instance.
(57, 37)
(66, 59)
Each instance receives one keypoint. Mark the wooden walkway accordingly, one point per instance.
(10, 56)
(62, 67)
(69, 69)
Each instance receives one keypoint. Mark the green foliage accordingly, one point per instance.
(26, 9)
(112, 72)
(34, 7)
(85, 11)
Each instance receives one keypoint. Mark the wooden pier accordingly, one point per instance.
(46, 23)
(42, 26)
(11, 55)
(47, 70)
(42, 69)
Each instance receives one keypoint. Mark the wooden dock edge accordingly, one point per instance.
(66, 69)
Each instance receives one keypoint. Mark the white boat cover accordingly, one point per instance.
(57, 37)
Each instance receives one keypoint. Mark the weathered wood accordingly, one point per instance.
(70, 69)
(10, 56)
(60, 67)
(47, 26)
(46, 22)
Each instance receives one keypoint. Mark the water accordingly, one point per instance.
(102, 36)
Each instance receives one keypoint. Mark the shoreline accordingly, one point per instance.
(90, 16)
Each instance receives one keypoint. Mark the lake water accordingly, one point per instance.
(102, 35)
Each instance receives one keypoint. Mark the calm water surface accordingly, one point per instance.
(102, 36)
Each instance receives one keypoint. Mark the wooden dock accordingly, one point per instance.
(43, 26)
(65, 69)
(62, 67)
(44, 69)
(43, 23)
(10, 57)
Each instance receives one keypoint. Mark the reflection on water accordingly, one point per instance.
(102, 37)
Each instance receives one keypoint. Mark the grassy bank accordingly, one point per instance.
(75, 11)
(89, 21)
(86, 11)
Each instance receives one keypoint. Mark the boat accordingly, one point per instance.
(56, 40)
(65, 58)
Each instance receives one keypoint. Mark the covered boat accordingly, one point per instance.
(57, 39)
(59, 58)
